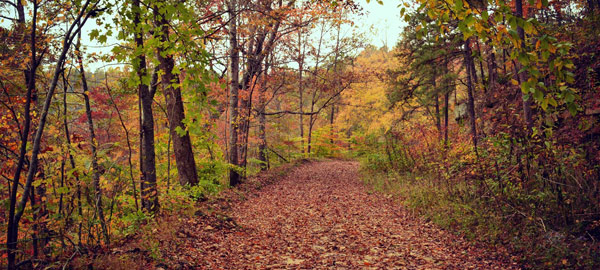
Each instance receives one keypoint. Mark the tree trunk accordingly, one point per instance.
(337, 80)
(471, 102)
(234, 176)
(527, 114)
(483, 81)
(301, 89)
(262, 122)
(475, 82)
(12, 227)
(446, 101)
(312, 117)
(331, 118)
(182, 145)
(258, 48)
(17, 211)
(311, 122)
(262, 136)
(492, 74)
(148, 186)
(35, 228)
(438, 123)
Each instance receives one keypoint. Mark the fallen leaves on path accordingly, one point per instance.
(320, 216)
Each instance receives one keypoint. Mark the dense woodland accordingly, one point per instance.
(483, 118)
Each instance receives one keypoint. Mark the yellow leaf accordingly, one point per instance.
(514, 82)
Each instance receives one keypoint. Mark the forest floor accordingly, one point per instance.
(318, 215)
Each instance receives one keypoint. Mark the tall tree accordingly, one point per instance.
(147, 152)
(468, 62)
(234, 85)
(16, 210)
(522, 74)
(182, 146)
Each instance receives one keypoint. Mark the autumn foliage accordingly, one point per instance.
(483, 118)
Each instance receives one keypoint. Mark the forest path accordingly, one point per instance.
(320, 216)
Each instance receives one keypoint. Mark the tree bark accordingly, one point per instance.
(262, 135)
(312, 117)
(438, 123)
(492, 73)
(471, 102)
(182, 145)
(234, 176)
(262, 40)
(301, 88)
(148, 185)
(12, 227)
(336, 79)
(16, 211)
(446, 101)
(262, 123)
(527, 114)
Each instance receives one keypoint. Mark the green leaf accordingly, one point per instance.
(512, 21)
(498, 17)
(528, 27)
(458, 5)
(485, 15)
(544, 3)
(572, 108)
(539, 95)
(180, 131)
(523, 59)
(569, 97)
(430, 13)
(62, 190)
(94, 34)
(545, 55)
(525, 88)
(552, 101)
(462, 27)
(469, 20)
(570, 77)
(102, 39)
(544, 104)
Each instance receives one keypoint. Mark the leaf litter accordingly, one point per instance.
(320, 216)
(317, 216)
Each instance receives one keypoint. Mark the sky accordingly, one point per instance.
(382, 22)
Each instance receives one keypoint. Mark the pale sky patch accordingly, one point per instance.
(381, 23)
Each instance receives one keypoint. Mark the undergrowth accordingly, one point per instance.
(457, 208)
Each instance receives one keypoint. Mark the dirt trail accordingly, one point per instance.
(320, 216)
